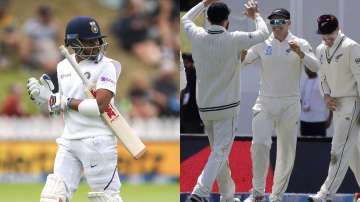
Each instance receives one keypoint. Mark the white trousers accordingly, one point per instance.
(345, 145)
(221, 137)
(281, 114)
(96, 157)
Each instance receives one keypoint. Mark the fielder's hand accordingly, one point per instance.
(40, 92)
(251, 9)
(294, 46)
(208, 2)
(243, 54)
(330, 102)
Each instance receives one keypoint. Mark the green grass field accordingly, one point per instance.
(129, 193)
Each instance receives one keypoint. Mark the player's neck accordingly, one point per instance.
(281, 37)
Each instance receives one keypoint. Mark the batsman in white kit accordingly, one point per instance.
(216, 54)
(87, 144)
(283, 57)
(340, 84)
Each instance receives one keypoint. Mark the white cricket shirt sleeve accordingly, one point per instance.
(324, 86)
(190, 27)
(355, 64)
(309, 60)
(248, 39)
(107, 78)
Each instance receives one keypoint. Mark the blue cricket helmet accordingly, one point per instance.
(84, 28)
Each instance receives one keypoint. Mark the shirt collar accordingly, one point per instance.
(289, 37)
(216, 29)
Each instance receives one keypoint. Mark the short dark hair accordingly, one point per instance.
(218, 12)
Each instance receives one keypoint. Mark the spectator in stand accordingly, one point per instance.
(9, 38)
(165, 92)
(142, 105)
(12, 105)
(40, 48)
(315, 116)
(190, 121)
(133, 31)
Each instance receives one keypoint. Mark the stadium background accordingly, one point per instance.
(312, 155)
(147, 94)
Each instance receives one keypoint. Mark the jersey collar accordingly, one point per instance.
(215, 29)
(337, 40)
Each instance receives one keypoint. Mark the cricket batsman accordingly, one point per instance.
(86, 145)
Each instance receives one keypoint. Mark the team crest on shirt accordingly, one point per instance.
(338, 57)
(357, 60)
(87, 75)
(268, 50)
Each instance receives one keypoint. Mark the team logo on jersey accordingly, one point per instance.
(93, 27)
(65, 75)
(106, 79)
(338, 57)
(288, 50)
(250, 36)
(357, 60)
(87, 75)
(268, 50)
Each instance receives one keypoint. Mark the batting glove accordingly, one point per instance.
(58, 103)
(40, 91)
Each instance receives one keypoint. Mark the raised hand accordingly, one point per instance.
(208, 2)
(251, 9)
(294, 46)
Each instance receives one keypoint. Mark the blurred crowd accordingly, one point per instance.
(147, 29)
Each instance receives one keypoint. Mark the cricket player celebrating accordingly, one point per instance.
(216, 54)
(340, 78)
(282, 56)
(87, 145)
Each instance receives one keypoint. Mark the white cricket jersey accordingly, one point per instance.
(216, 54)
(340, 67)
(280, 67)
(102, 75)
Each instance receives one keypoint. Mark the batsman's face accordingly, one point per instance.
(89, 46)
(329, 39)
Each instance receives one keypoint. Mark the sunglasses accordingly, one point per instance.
(278, 22)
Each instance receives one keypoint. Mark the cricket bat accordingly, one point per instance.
(111, 115)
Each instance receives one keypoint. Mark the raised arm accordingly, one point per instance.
(306, 54)
(187, 20)
(248, 39)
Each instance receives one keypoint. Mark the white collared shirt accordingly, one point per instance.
(102, 75)
(216, 54)
(280, 67)
(340, 74)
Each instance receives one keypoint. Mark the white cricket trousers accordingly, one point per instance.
(345, 145)
(221, 135)
(96, 157)
(281, 114)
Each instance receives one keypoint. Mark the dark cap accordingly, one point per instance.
(327, 24)
(280, 12)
